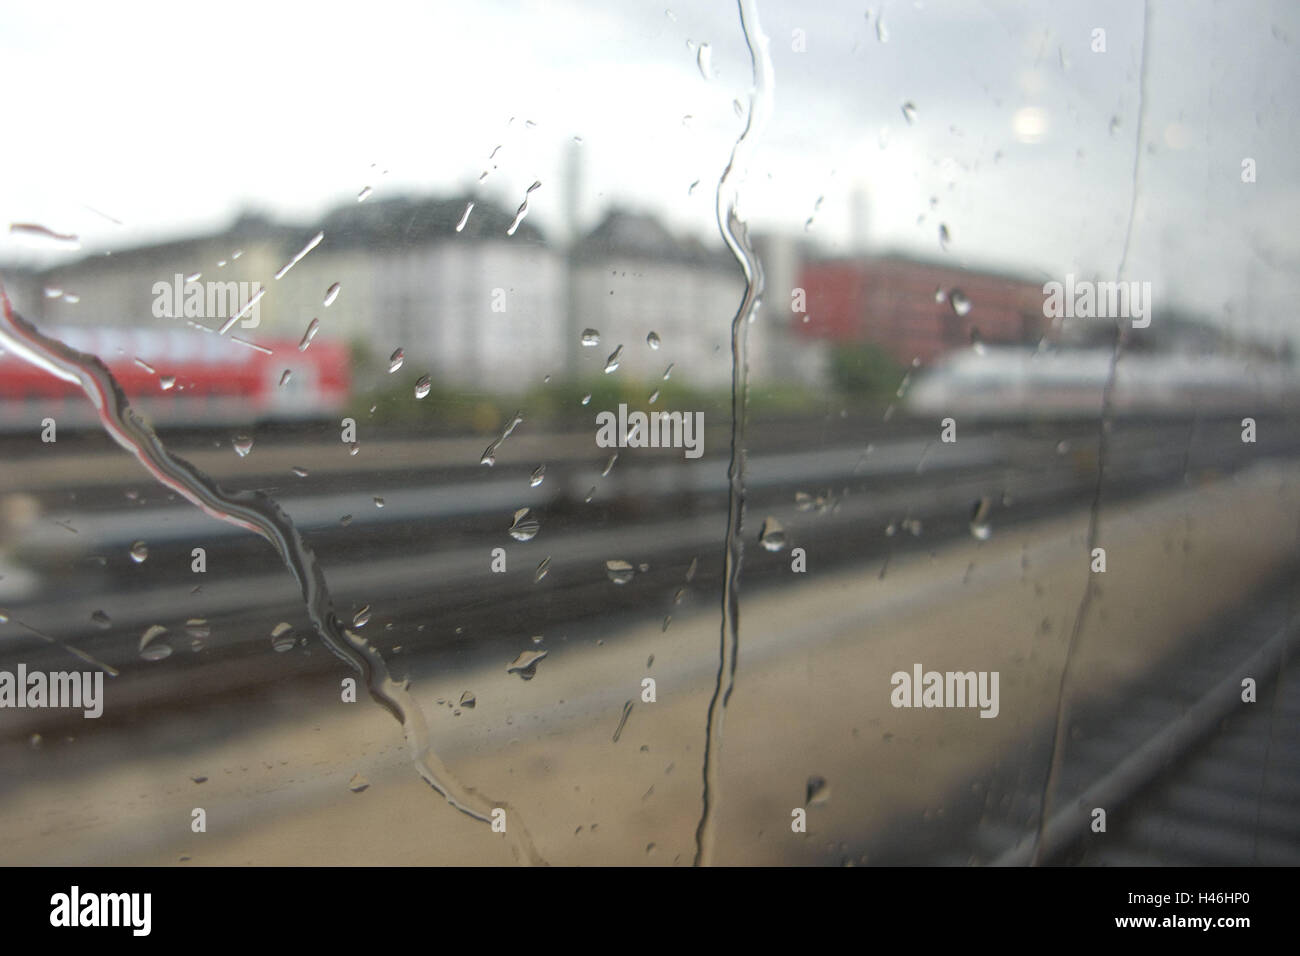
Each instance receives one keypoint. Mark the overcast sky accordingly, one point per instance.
(170, 118)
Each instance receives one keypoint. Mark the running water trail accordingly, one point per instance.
(258, 513)
(736, 235)
(1059, 739)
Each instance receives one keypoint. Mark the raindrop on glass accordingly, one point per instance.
(704, 60)
(312, 328)
(423, 386)
(152, 646)
(395, 360)
(620, 572)
(980, 525)
(139, 552)
(652, 340)
(524, 528)
(464, 218)
(590, 338)
(817, 791)
(525, 665)
(282, 639)
(242, 444)
(772, 536)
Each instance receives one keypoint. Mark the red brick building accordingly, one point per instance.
(916, 309)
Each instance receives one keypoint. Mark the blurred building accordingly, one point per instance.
(632, 277)
(913, 309)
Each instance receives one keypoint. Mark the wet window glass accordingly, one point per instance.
(595, 434)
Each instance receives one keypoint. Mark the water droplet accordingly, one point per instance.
(654, 397)
(379, 502)
(242, 444)
(772, 536)
(395, 360)
(358, 783)
(669, 370)
(977, 341)
(609, 465)
(817, 791)
(620, 572)
(909, 112)
(980, 525)
(468, 700)
(882, 31)
(1062, 447)
(652, 340)
(285, 376)
(362, 617)
(538, 475)
(139, 552)
(939, 296)
(522, 211)
(152, 647)
(590, 338)
(167, 382)
(312, 328)
(543, 567)
(364, 194)
(586, 399)
(101, 620)
(44, 232)
(197, 628)
(353, 448)
(524, 528)
(300, 472)
(311, 244)
(704, 60)
(959, 301)
(525, 665)
(332, 293)
(423, 386)
(282, 639)
(464, 218)
(944, 236)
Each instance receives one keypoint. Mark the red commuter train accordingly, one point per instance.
(183, 377)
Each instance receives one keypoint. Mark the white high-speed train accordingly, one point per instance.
(1001, 382)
